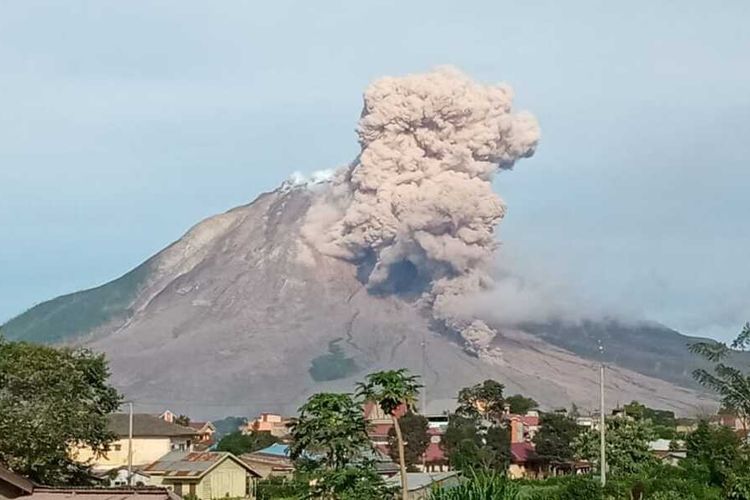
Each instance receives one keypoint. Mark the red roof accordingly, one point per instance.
(521, 452)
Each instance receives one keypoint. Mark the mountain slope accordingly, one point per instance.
(242, 315)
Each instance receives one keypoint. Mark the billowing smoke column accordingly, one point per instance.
(416, 209)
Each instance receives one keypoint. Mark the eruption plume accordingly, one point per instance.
(416, 210)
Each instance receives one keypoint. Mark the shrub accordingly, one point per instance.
(480, 486)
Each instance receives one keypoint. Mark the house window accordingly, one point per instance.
(117, 447)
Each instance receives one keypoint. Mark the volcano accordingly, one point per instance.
(242, 315)
(315, 284)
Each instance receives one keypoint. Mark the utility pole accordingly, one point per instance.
(602, 423)
(130, 443)
(424, 390)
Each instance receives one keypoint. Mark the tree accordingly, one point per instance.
(238, 443)
(520, 404)
(477, 436)
(330, 430)
(483, 400)
(349, 483)
(182, 420)
(473, 444)
(392, 389)
(52, 399)
(414, 429)
(712, 453)
(228, 425)
(729, 382)
(555, 438)
(663, 422)
(627, 445)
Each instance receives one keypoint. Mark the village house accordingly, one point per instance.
(204, 431)
(152, 438)
(434, 456)
(668, 451)
(271, 461)
(204, 435)
(523, 428)
(204, 475)
(380, 424)
(434, 459)
(733, 421)
(274, 424)
(274, 461)
(524, 463)
(121, 476)
(168, 416)
(14, 486)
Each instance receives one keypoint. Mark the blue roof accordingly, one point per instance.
(278, 449)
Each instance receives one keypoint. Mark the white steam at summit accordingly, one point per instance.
(416, 210)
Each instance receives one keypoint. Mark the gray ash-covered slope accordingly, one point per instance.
(231, 318)
(311, 286)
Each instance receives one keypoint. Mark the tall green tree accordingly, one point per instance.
(663, 421)
(330, 430)
(52, 400)
(732, 385)
(555, 438)
(392, 389)
(414, 430)
(627, 446)
(485, 400)
(472, 443)
(713, 453)
(238, 443)
(183, 420)
(520, 404)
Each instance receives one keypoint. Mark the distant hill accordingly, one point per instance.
(71, 316)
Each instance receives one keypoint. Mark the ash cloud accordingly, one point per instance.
(416, 210)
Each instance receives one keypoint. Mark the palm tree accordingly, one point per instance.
(390, 390)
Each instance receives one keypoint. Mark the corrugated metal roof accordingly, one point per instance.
(421, 480)
(277, 450)
(148, 493)
(191, 464)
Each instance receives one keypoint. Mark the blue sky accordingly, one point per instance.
(124, 123)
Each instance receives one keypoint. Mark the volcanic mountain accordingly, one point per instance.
(315, 284)
(241, 315)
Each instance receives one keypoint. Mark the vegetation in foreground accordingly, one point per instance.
(50, 399)
(66, 392)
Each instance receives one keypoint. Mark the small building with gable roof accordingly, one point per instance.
(204, 475)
